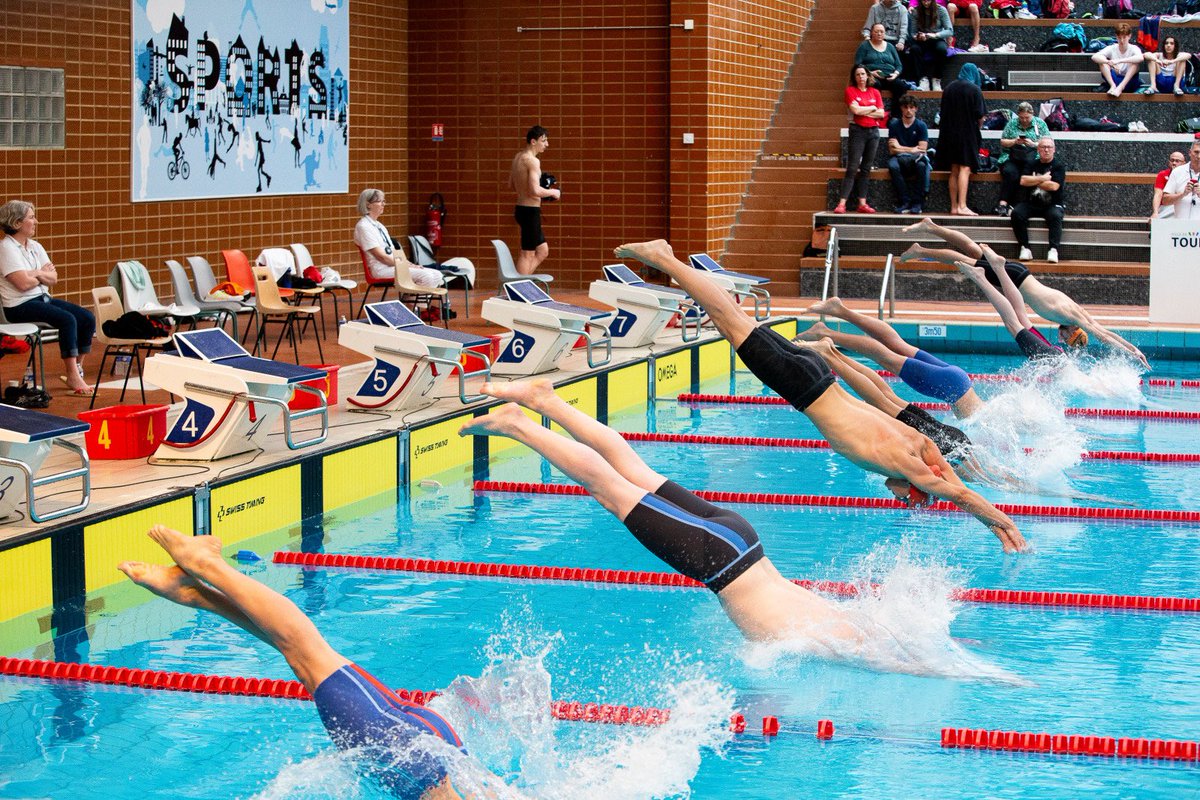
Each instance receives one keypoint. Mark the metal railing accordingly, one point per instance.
(888, 287)
(831, 265)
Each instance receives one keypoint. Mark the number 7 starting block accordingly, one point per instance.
(739, 284)
(26, 438)
(232, 399)
(643, 310)
(407, 355)
(542, 330)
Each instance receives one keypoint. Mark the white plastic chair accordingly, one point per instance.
(508, 269)
(452, 269)
(216, 310)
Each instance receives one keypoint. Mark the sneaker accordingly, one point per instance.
(904, 208)
(840, 208)
(917, 208)
(1025, 255)
(937, 84)
(1003, 210)
(1025, 13)
(10, 345)
(923, 85)
(978, 48)
(1007, 47)
(1052, 256)
(863, 208)
(1179, 90)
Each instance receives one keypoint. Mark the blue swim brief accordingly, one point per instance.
(935, 378)
(360, 712)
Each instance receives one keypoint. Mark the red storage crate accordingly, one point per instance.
(328, 385)
(124, 431)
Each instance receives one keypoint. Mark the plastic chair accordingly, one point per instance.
(238, 270)
(216, 310)
(452, 269)
(405, 287)
(133, 283)
(304, 260)
(281, 262)
(372, 283)
(34, 335)
(206, 281)
(108, 308)
(271, 308)
(508, 269)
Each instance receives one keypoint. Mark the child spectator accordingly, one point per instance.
(1167, 68)
(1119, 63)
(929, 34)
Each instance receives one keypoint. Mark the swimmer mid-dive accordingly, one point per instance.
(357, 710)
(863, 434)
(1049, 303)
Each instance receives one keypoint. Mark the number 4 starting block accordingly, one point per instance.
(232, 399)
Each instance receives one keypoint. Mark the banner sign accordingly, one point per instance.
(1174, 258)
(239, 97)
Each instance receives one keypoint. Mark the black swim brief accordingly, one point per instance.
(530, 220)
(1035, 346)
(796, 374)
(951, 442)
(1017, 271)
(707, 543)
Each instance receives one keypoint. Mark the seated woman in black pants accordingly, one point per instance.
(929, 34)
(24, 290)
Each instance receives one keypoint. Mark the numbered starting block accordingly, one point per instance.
(643, 310)
(26, 439)
(543, 330)
(739, 284)
(232, 399)
(408, 354)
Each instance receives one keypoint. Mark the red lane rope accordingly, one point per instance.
(821, 444)
(609, 713)
(674, 579)
(1112, 413)
(1014, 741)
(994, 377)
(839, 501)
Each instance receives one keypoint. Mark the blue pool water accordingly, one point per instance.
(504, 647)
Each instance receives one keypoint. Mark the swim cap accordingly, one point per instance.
(1078, 338)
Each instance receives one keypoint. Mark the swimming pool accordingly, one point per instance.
(522, 643)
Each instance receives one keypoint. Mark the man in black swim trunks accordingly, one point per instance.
(525, 179)
(868, 437)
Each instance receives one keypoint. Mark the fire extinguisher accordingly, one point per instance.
(435, 218)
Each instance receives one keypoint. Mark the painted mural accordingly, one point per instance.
(239, 97)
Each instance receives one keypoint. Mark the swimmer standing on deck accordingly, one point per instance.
(525, 178)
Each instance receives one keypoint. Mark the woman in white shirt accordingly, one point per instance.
(376, 243)
(26, 273)
(1167, 68)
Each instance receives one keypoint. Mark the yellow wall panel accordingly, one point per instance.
(358, 473)
(627, 387)
(673, 374)
(25, 583)
(786, 328)
(438, 448)
(124, 539)
(256, 505)
(580, 395)
(714, 360)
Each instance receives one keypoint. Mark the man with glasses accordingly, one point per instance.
(1183, 187)
(1159, 210)
(1042, 184)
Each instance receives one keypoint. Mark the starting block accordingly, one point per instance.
(232, 398)
(542, 330)
(407, 355)
(26, 438)
(739, 284)
(643, 310)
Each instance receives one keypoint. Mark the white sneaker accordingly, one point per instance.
(937, 84)
(1007, 47)
(1052, 256)
(1025, 13)
(923, 85)
(1025, 255)
(978, 48)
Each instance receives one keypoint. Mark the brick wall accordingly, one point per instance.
(87, 221)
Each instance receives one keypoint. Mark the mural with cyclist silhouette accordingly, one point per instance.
(240, 97)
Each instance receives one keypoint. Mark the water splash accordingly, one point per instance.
(904, 611)
(330, 774)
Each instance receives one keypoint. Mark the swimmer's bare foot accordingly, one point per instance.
(913, 252)
(832, 307)
(169, 582)
(652, 254)
(191, 553)
(818, 331)
(924, 225)
(503, 421)
(533, 394)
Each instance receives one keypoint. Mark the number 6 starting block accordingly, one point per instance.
(542, 330)
(643, 310)
(407, 355)
(232, 399)
(26, 438)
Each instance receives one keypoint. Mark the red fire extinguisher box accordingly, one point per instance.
(124, 431)
(328, 385)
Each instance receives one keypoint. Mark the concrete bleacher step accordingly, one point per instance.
(1028, 35)
(1160, 112)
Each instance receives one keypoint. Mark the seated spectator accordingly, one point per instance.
(882, 61)
(908, 143)
(1119, 63)
(1167, 68)
(1157, 209)
(1018, 146)
(929, 35)
(971, 8)
(1042, 181)
(893, 16)
(1183, 186)
(865, 105)
(382, 256)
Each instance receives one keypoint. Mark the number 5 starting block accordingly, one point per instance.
(232, 399)
(542, 330)
(26, 438)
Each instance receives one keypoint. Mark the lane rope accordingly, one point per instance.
(627, 577)
(1000, 377)
(841, 501)
(1109, 413)
(821, 444)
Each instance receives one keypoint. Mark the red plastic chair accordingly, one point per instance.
(238, 270)
(372, 282)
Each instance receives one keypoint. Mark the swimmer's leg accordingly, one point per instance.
(877, 329)
(1008, 316)
(1009, 289)
(179, 587)
(278, 619)
(956, 239)
(863, 345)
(579, 462)
(728, 316)
(538, 395)
(865, 382)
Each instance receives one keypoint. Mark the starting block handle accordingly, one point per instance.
(289, 416)
(758, 296)
(82, 471)
(454, 366)
(605, 339)
(691, 305)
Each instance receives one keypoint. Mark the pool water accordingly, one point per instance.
(503, 648)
